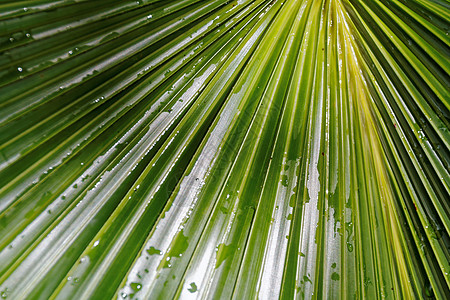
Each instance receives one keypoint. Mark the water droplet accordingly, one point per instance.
(153, 250)
(19, 69)
(193, 288)
(349, 247)
(428, 291)
(421, 134)
(135, 286)
(335, 276)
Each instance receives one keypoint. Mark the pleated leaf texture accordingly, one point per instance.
(216, 149)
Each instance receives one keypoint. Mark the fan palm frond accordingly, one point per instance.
(224, 149)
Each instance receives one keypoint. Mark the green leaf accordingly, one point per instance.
(224, 149)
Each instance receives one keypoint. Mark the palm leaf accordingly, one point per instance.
(224, 149)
